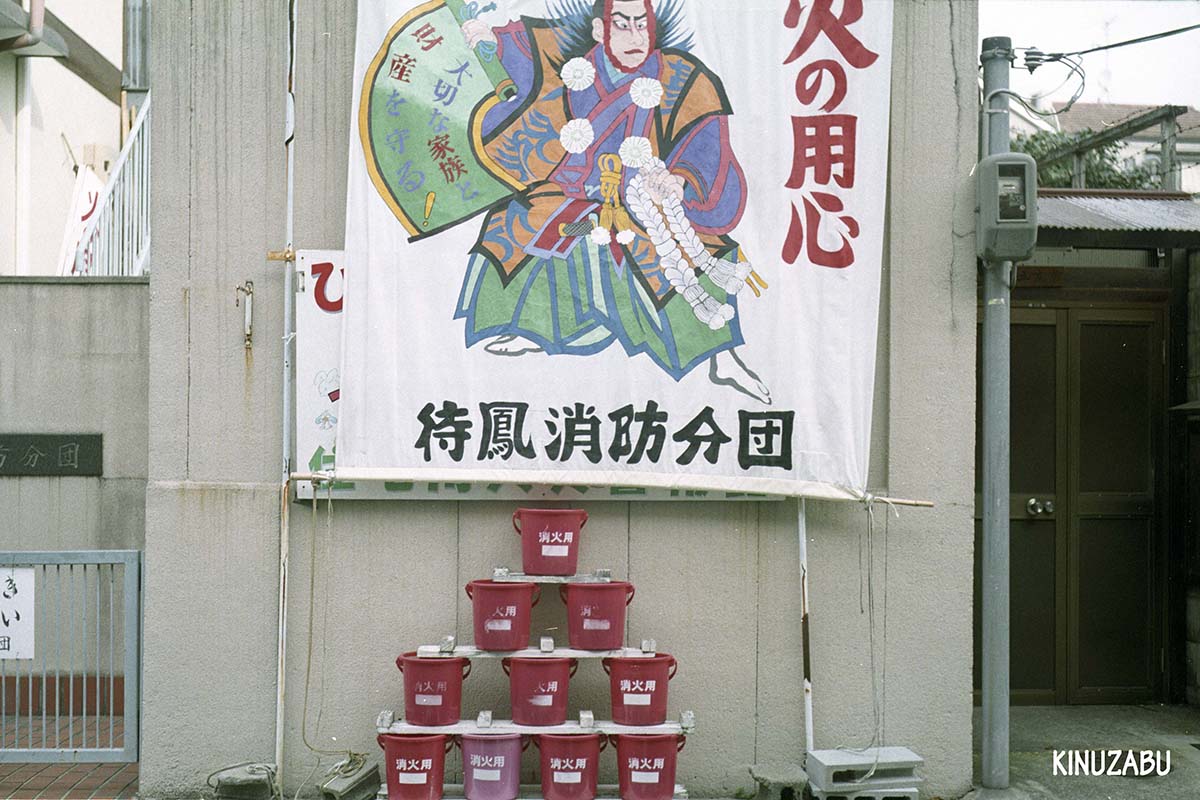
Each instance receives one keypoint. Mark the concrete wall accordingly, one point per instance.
(74, 358)
(63, 106)
(717, 583)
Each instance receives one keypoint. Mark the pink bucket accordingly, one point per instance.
(549, 539)
(502, 612)
(596, 614)
(539, 688)
(570, 765)
(492, 766)
(646, 765)
(639, 688)
(415, 765)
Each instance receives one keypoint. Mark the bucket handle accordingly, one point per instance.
(379, 739)
(574, 666)
(629, 593)
(506, 665)
(674, 668)
(584, 521)
(400, 663)
(604, 743)
(607, 664)
(537, 595)
(470, 595)
(517, 521)
(466, 668)
(450, 743)
(682, 742)
(525, 742)
(562, 592)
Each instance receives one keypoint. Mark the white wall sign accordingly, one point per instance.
(16, 613)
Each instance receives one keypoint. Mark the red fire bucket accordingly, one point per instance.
(432, 688)
(415, 765)
(539, 689)
(646, 765)
(596, 614)
(502, 613)
(570, 765)
(549, 539)
(639, 688)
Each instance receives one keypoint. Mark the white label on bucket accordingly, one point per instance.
(498, 625)
(644, 777)
(486, 774)
(429, 699)
(637, 699)
(555, 551)
(596, 624)
(568, 777)
(413, 778)
(542, 700)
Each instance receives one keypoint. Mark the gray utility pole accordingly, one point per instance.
(996, 56)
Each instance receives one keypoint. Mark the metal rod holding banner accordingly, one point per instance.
(996, 55)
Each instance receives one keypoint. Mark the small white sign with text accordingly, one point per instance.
(16, 613)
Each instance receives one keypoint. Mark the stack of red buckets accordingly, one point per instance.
(538, 687)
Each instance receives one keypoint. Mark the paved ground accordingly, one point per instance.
(68, 781)
(1037, 731)
(64, 781)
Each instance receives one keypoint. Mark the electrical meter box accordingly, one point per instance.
(1006, 227)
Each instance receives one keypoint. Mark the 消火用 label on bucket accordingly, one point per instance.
(596, 624)
(555, 551)
(487, 774)
(499, 625)
(429, 699)
(637, 699)
(644, 777)
(568, 777)
(413, 778)
(542, 700)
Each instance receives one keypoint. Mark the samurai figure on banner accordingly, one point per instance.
(599, 147)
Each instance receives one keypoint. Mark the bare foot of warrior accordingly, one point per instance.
(510, 345)
(728, 369)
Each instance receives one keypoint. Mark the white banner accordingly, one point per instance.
(615, 243)
(17, 631)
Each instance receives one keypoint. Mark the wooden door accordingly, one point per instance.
(1087, 410)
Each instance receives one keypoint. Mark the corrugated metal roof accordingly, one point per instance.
(1118, 213)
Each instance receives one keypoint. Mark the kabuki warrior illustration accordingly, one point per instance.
(604, 166)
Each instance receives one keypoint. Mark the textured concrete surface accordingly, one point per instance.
(1037, 731)
(717, 583)
(74, 359)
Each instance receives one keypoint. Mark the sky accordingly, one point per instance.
(1155, 73)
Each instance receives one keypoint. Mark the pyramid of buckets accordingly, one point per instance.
(539, 681)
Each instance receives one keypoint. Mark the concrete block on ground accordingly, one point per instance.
(851, 770)
(779, 781)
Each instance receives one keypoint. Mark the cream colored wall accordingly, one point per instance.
(62, 105)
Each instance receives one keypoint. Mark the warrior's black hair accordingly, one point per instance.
(572, 24)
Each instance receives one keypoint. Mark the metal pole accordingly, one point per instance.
(995, 56)
(804, 640)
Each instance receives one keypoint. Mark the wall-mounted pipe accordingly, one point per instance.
(37, 24)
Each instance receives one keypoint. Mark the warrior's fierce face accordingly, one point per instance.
(626, 29)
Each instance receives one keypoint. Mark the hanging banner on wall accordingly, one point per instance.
(621, 242)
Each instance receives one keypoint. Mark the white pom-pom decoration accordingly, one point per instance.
(626, 237)
(646, 93)
(578, 74)
(601, 236)
(577, 136)
(636, 152)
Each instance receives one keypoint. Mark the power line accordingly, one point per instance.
(1140, 40)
